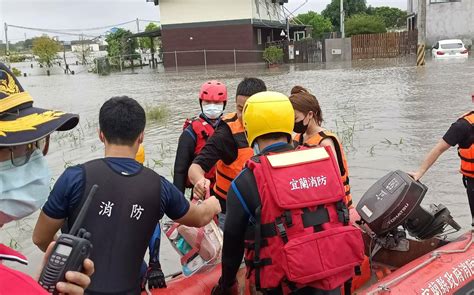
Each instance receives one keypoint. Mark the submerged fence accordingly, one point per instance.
(206, 58)
(384, 45)
(302, 51)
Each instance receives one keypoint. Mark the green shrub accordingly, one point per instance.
(156, 113)
(273, 55)
(17, 58)
(16, 72)
(364, 24)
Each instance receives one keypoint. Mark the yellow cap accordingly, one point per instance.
(140, 156)
(267, 112)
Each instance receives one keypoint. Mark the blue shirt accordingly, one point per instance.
(67, 191)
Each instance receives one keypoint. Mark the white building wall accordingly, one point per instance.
(194, 11)
(267, 11)
(91, 47)
(450, 20)
(447, 20)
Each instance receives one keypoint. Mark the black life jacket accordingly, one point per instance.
(121, 218)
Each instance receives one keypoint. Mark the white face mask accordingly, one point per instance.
(212, 111)
(24, 189)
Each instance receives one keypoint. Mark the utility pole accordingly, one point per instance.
(421, 24)
(82, 50)
(138, 26)
(343, 35)
(288, 28)
(6, 39)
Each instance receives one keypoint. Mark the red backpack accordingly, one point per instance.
(301, 234)
(202, 131)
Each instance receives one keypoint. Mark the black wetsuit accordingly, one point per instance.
(220, 146)
(185, 155)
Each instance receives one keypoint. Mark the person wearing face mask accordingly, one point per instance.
(128, 205)
(196, 131)
(308, 120)
(227, 149)
(25, 177)
(283, 203)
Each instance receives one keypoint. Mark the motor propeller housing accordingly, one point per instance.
(395, 200)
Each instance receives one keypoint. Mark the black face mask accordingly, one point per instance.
(300, 127)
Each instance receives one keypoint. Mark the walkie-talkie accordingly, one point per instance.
(69, 251)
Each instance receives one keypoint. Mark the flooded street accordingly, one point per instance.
(388, 114)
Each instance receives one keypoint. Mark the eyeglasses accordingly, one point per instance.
(20, 155)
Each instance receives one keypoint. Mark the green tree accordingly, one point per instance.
(351, 7)
(119, 44)
(319, 23)
(147, 42)
(393, 17)
(46, 49)
(364, 24)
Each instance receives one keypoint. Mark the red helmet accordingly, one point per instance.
(213, 91)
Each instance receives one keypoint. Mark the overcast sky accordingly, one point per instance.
(67, 14)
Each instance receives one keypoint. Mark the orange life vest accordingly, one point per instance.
(467, 154)
(341, 158)
(226, 173)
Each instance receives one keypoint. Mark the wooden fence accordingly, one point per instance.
(384, 45)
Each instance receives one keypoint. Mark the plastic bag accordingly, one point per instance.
(199, 248)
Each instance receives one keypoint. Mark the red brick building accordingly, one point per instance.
(219, 27)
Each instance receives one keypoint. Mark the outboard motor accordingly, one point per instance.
(394, 201)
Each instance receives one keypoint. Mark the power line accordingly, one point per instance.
(71, 31)
(52, 31)
(294, 18)
(149, 21)
(299, 7)
(96, 28)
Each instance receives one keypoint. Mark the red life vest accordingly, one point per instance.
(13, 281)
(301, 234)
(203, 131)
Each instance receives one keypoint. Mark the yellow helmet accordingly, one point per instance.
(267, 112)
(140, 156)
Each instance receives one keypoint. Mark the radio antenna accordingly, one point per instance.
(82, 214)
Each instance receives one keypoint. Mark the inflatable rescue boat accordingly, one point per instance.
(407, 248)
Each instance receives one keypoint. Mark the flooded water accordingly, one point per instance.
(389, 114)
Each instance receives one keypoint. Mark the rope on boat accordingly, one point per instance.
(435, 255)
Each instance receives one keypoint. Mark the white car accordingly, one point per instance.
(453, 48)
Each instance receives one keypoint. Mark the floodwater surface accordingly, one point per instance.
(388, 114)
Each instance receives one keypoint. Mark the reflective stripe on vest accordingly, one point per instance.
(202, 130)
(467, 154)
(301, 217)
(226, 173)
(341, 158)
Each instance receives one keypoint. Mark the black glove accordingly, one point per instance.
(219, 290)
(154, 277)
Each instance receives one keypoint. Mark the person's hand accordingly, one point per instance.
(219, 290)
(154, 277)
(415, 175)
(213, 204)
(201, 188)
(77, 282)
